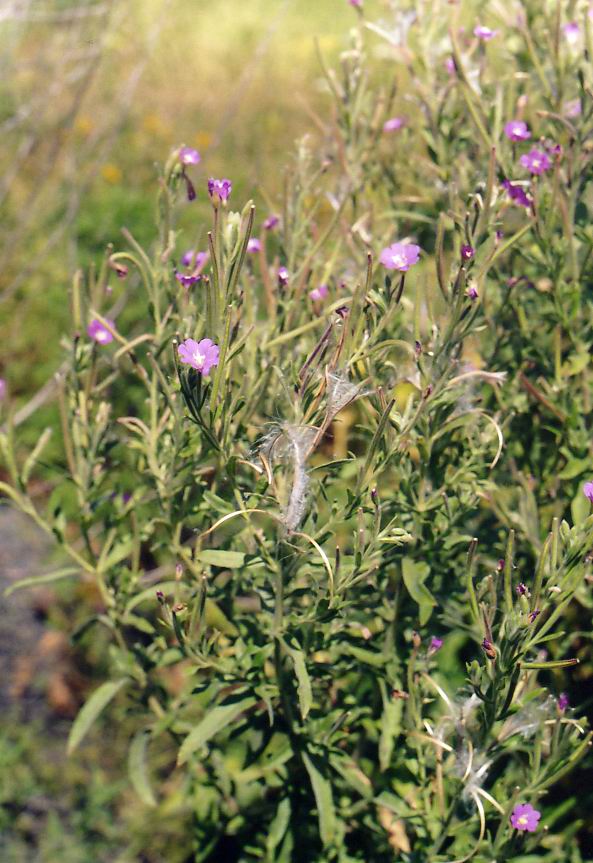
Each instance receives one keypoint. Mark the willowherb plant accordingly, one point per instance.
(327, 479)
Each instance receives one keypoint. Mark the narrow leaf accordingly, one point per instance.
(214, 721)
(91, 710)
(324, 799)
(137, 768)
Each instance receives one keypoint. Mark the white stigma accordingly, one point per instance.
(198, 358)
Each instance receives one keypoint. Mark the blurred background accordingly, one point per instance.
(93, 95)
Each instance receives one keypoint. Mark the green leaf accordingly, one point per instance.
(390, 730)
(303, 680)
(325, 802)
(226, 559)
(277, 828)
(91, 709)
(137, 768)
(579, 508)
(56, 575)
(214, 721)
(414, 574)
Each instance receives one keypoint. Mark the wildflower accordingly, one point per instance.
(450, 65)
(517, 193)
(525, 817)
(500, 564)
(3, 389)
(254, 245)
(562, 702)
(202, 355)
(120, 270)
(283, 276)
(400, 256)
(356, 3)
(522, 589)
(219, 190)
(533, 614)
(194, 259)
(271, 222)
(435, 644)
(588, 491)
(319, 293)
(517, 130)
(472, 293)
(99, 333)
(572, 109)
(187, 279)
(467, 252)
(536, 161)
(485, 33)
(394, 124)
(572, 31)
(189, 156)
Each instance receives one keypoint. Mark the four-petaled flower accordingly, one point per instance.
(319, 293)
(517, 130)
(472, 293)
(400, 256)
(194, 259)
(202, 355)
(522, 589)
(517, 193)
(188, 279)
(588, 491)
(100, 333)
(533, 614)
(525, 817)
(485, 33)
(253, 245)
(283, 275)
(467, 252)
(572, 31)
(189, 156)
(219, 190)
(394, 124)
(563, 702)
(536, 161)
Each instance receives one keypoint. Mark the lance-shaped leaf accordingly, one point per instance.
(91, 710)
(214, 721)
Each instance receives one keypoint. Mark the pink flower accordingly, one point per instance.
(219, 190)
(563, 702)
(525, 817)
(271, 222)
(319, 293)
(435, 644)
(254, 245)
(356, 3)
(517, 193)
(3, 389)
(588, 491)
(517, 130)
(194, 259)
(572, 31)
(400, 256)
(572, 109)
(394, 124)
(485, 33)
(536, 161)
(99, 333)
(283, 276)
(467, 252)
(450, 66)
(189, 156)
(202, 355)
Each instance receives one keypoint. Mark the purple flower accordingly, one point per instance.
(271, 222)
(283, 276)
(572, 31)
(3, 389)
(533, 614)
(467, 252)
(99, 333)
(521, 589)
(219, 190)
(517, 130)
(536, 161)
(572, 109)
(588, 491)
(525, 817)
(200, 355)
(485, 33)
(488, 648)
(356, 3)
(563, 702)
(189, 156)
(435, 644)
(394, 124)
(187, 279)
(472, 293)
(319, 293)
(517, 193)
(450, 66)
(400, 256)
(254, 245)
(194, 259)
